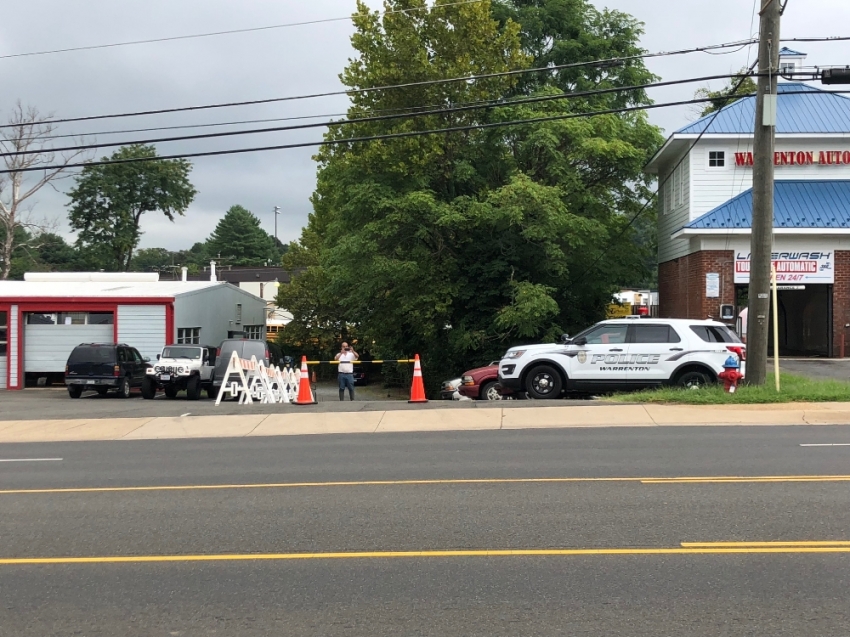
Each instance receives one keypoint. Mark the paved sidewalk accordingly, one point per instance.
(364, 422)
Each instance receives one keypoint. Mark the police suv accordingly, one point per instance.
(623, 354)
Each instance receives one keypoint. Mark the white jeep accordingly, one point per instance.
(181, 367)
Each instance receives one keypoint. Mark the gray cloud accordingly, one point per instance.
(283, 62)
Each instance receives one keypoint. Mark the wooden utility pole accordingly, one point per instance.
(761, 242)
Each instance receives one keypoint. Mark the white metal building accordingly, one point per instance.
(45, 316)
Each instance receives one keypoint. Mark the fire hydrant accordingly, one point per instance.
(730, 375)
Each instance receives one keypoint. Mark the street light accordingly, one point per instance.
(276, 213)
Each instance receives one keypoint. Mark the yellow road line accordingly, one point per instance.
(762, 544)
(744, 479)
(246, 557)
(471, 481)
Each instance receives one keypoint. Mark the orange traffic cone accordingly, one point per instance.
(305, 396)
(417, 390)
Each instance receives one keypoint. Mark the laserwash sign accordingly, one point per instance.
(791, 267)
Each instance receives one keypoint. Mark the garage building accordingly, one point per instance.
(43, 317)
(705, 214)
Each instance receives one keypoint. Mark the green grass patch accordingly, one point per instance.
(794, 389)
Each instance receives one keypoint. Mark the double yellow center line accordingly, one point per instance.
(692, 548)
(471, 481)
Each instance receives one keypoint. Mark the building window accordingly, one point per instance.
(677, 185)
(716, 158)
(189, 336)
(70, 318)
(238, 312)
(4, 334)
(254, 332)
(786, 67)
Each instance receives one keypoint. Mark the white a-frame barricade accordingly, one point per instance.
(258, 382)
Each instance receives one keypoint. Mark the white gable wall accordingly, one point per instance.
(710, 187)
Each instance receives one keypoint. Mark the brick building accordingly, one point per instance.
(705, 213)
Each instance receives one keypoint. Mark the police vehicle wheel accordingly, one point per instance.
(694, 380)
(489, 392)
(193, 388)
(543, 382)
(170, 392)
(124, 389)
(148, 389)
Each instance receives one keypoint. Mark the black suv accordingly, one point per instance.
(104, 366)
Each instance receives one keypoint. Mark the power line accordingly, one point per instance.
(662, 183)
(352, 140)
(465, 78)
(217, 33)
(377, 118)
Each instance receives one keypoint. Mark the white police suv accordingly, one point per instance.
(623, 354)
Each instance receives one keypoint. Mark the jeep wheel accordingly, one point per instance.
(148, 389)
(489, 391)
(124, 388)
(170, 391)
(193, 388)
(693, 380)
(211, 392)
(543, 382)
(75, 391)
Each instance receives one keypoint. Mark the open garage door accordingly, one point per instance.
(49, 338)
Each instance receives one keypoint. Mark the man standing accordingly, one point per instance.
(346, 358)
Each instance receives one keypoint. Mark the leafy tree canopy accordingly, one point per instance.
(238, 239)
(108, 201)
(727, 95)
(459, 245)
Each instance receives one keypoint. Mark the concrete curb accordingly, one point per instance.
(289, 424)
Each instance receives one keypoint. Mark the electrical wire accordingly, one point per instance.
(663, 182)
(349, 92)
(374, 118)
(369, 138)
(218, 33)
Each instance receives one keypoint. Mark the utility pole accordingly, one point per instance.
(761, 242)
(276, 213)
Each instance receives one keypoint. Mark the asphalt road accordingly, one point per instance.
(236, 537)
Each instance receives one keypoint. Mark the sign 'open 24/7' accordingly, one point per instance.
(800, 158)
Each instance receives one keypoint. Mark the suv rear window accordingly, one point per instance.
(92, 355)
(715, 333)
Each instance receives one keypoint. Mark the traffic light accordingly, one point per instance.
(835, 76)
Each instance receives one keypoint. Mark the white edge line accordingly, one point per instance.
(826, 444)
(30, 459)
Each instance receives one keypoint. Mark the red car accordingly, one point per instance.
(482, 383)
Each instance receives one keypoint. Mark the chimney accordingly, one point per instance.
(185, 271)
(213, 277)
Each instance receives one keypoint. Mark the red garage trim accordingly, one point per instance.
(58, 302)
(169, 324)
(21, 382)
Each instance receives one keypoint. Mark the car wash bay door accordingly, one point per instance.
(49, 337)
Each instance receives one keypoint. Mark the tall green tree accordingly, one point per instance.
(458, 245)
(108, 201)
(726, 95)
(238, 239)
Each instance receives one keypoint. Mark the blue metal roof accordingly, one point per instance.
(786, 51)
(797, 204)
(799, 111)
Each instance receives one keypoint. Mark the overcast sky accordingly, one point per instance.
(290, 61)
